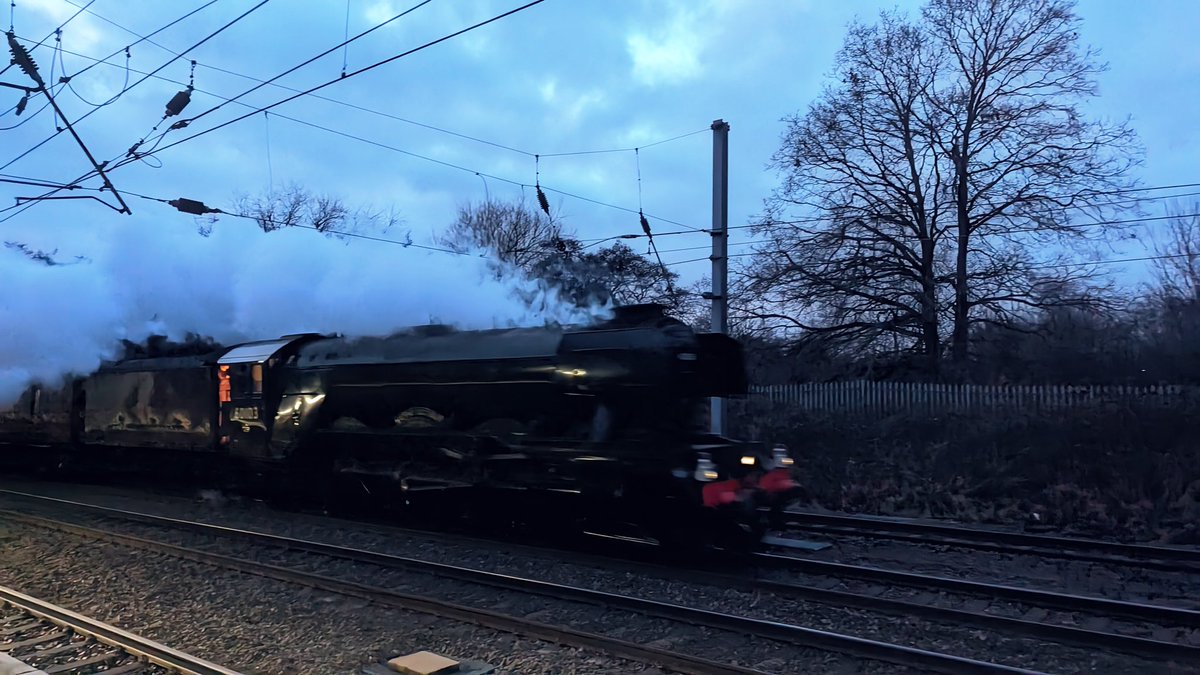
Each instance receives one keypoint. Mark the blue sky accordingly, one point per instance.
(564, 76)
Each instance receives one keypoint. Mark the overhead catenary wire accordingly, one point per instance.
(477, 173)
(318, 87)
(481, 174)
(411, 244)
(568, 194)
(12, 28)
(263, 109)
(184, 123)
(113, 99)
(1064, 226)
(67, 78)
(355, 73)
(346, 44)
(270, 166)
(99, 170)
(398, 118)
(1135, 221)
(627, 149)
(208, 37)
(1062, 265)
(22, 180)
(144, 38)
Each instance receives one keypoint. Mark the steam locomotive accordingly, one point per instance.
(608, 421)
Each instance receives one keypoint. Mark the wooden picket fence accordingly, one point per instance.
(917, 397)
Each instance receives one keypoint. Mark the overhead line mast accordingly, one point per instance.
(720, 252)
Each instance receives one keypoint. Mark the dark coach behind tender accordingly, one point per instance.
(606, 422)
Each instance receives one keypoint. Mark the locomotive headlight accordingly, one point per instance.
(705, 469)
(779, 457)
(747, 460)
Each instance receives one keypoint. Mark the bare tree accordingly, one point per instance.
(861, 272)
(295, 206)
(513, 232)
(1178, 265)
(539, 247)
(1024, 160)
(937, 183)
(632, 278)
(1171, 312)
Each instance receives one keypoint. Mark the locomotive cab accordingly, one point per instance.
(248, 393)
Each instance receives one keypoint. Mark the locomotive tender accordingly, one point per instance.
(609, 419)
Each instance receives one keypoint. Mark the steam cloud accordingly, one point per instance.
(240, 284)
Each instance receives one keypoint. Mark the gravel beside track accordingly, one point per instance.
(258, 625)
(1026, 653)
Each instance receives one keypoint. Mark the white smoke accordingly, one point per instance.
(239, 284)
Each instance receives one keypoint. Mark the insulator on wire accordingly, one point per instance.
(21, 104)
(192, 206)
(178, 102)
(545, 203)
(645, 223)
(24, 61)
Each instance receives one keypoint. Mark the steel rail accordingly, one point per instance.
(1160, 557)
(1065, 634)
(1075, 603)
(773, 630)
(135, 645)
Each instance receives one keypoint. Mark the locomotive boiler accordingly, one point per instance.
(605, 422)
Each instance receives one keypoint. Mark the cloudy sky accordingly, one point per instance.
(450, 124)
(563, 76)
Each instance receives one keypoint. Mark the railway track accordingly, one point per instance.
(752, 628)
(1066, 634)
(1067, 548)
(39, 638)
(1162, 614)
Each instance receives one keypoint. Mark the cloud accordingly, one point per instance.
(671, 53)
(81, 34)
(378, 12)
(695, 37)
(566, 106)
(458, 15)
(549, 90)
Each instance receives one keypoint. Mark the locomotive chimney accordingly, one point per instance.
(633, 315)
